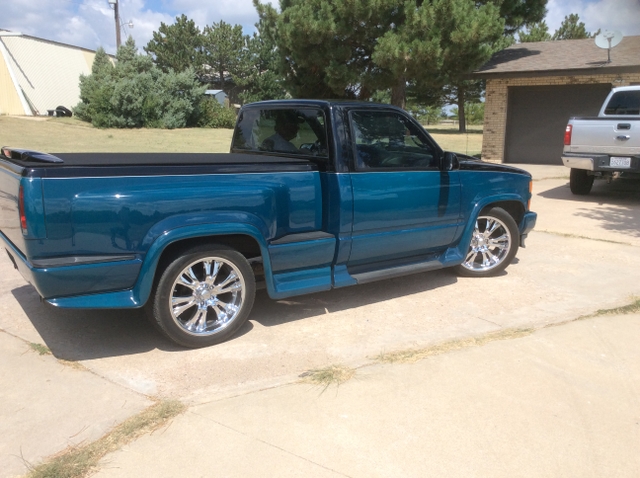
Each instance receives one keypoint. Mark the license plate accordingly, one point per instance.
(617, 162)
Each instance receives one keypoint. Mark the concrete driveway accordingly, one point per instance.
(582, 257)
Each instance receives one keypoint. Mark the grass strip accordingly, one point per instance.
(632, 308)
(576, 236)
(39, 348)
(333, 374)
(414, 355)
(79, 461)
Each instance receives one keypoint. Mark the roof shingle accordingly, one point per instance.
(569, 56)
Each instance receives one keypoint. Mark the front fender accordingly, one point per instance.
(465, 238)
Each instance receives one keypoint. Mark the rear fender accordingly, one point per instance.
(144, 284)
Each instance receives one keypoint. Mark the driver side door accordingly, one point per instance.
(404, 207)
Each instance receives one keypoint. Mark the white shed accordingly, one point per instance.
(38, 75)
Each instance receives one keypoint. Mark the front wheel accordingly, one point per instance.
(493, 246)
(204, 296)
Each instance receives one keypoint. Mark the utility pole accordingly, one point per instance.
(117, 19)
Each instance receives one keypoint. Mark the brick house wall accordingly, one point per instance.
(496, 100)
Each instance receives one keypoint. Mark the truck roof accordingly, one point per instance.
(319, 103)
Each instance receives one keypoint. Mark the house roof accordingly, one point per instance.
(562, 57)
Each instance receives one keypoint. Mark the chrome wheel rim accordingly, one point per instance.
(207, 296)
(490, 243)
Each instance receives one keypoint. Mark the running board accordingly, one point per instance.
(388, 273)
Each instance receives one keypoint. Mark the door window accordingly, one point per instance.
(389, 140)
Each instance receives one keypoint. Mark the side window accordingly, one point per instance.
(624, 103)
(386, 139)
(299, 131)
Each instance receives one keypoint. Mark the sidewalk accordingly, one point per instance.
(564, 401)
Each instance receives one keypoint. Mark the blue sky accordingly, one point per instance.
(90, 23)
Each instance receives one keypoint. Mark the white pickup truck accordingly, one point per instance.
(605, 146)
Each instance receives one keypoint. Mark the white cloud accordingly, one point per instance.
(90, 23)
(622, 15)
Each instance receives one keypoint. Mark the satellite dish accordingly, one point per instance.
(607, 40)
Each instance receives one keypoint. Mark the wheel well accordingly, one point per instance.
(245, 245)
(514, 208)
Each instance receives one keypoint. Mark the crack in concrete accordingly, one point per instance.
(269, 444)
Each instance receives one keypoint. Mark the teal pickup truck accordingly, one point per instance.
(313, 195)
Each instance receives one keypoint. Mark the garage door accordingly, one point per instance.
(537, 117)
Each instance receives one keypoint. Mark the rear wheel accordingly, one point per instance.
(493, 245)
(204, 296)
(580, 182)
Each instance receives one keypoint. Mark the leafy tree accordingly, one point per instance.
(178, 46)
(225, 51)
(536, 32)
(474, 112)
(571, 29)
(426, 114)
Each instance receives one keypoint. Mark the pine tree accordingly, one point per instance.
(571, 29)
(225, 51)
(261, 80)
(177, 46)
(536, 32)
(339, 49)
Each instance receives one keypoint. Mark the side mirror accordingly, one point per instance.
(449, 161)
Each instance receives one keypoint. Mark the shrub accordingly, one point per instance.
(214, 115)
(135, 93)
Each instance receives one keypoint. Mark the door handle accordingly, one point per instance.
(623, 137)
(623, 126)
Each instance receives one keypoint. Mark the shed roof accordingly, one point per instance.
(562, 57)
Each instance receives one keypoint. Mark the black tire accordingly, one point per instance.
(493, 245)
(196, 283)
(580, 182)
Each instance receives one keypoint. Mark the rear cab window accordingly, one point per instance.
(282, 131)
(624, 103)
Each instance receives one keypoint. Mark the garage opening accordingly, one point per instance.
(537, 117)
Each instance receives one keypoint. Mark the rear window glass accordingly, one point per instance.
(624, 103)
(291, 131)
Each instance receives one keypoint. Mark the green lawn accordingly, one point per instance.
(67, 135)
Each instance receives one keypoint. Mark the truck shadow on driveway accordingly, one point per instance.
(270, 313)
(86, 334)
(615, 206)
(621, 191)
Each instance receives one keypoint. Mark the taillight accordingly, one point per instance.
(567, 135)
(530, 195)
(23, 217)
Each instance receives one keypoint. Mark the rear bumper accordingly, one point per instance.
(598, 162)
(67, 278)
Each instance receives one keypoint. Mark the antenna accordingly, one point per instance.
(607, 40)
